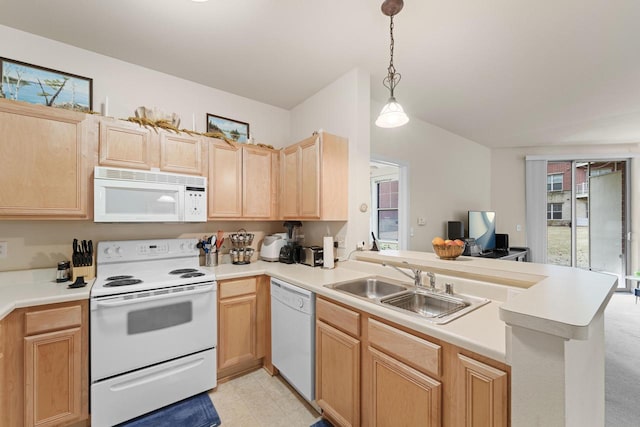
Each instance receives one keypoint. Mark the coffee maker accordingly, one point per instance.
(290, 252)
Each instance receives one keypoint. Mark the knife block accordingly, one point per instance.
(87, 271)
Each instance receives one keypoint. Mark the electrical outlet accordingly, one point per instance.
(4, 246)
(518, 227)
(422, 220)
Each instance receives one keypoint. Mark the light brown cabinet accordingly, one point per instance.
(46, 372)
(482, 394)
(401, 388)
(338, 363)
(390, 375)
(242, 324)
(315, 178)
(401, 395)
(45, 161)
(242, 181)
(129, 145)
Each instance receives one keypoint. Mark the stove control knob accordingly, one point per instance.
(118, 251)
(300, 303)
(108, 251)
(183, 246)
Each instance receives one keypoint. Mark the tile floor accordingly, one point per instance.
(257, 399)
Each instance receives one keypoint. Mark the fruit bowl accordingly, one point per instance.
(445, 251)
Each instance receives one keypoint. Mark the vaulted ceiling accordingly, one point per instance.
(499, 72)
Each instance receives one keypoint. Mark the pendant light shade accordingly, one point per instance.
(392, 115)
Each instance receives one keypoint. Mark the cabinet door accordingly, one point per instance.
(225, 180)
(401, 395)
(43, 161)
(52, 368)
(290, 183)
(3, 385)
(310, 178)
(180, 153)
(257, 181)
(237, 331)
(125, 145)
(482, 391)
(338, 374)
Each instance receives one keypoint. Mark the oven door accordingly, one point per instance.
(125, 201)
(131, 331)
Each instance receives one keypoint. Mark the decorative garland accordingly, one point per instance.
(166, 124)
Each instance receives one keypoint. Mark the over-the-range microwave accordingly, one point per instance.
(128, 195)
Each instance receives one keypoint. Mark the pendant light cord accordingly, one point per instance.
(392, 78)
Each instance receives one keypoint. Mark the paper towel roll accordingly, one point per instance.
(327, 250)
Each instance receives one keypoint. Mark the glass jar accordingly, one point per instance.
(62, 274)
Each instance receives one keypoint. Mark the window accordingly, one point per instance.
(554, 182)
(554, 210)
(388, 211)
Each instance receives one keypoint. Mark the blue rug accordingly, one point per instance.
(322, 423)
(196, 411)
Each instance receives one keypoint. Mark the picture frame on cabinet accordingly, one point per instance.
(34, 84)
(233, 129)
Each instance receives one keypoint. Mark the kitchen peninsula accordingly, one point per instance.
(544, 325)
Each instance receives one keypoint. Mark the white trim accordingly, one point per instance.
(580, 157)
(403, 199)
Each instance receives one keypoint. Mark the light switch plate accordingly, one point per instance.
(4, 246)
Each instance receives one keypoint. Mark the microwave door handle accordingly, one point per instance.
(120, 303)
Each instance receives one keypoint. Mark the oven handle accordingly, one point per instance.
(120, 303)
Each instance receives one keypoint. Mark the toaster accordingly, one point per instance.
(312, 256)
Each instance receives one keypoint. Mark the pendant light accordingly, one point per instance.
(392, 114)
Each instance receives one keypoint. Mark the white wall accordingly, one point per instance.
(39, 244)
(342, 108)
(508, 183)
(129, 86)
(448, 174)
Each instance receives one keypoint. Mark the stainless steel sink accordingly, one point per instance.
(427, 305)
(435, 307)
(370, 288)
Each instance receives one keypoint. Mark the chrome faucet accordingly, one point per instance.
(417, 275)
(432, 280)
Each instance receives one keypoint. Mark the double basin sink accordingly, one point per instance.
(435, 307)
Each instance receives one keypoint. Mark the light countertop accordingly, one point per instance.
(27, 288)
(557, 300)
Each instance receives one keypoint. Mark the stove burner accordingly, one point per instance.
(183, 270)
(188, 275)
(119, 277)
(124, 282)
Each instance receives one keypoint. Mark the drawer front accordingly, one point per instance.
(342, 318)
(52, 319)
(416, 352)
(232, 288)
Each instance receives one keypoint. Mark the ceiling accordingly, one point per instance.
(502, 73)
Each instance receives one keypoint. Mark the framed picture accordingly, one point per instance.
(232, 129)
(44, 86)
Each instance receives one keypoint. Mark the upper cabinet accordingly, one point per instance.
(315, 175)
(242, 181)
(45, 161)
(129, 145)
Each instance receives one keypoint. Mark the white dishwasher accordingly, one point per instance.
(293, 335)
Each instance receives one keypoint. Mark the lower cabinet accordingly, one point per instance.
(401, 395)
(46, 370)
(53, 368)
(482, 393)
(242, 324)
(389, 375)
(338, 374)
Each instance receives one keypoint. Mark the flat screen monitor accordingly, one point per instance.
(482, 227)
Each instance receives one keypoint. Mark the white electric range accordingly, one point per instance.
(153, 328)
